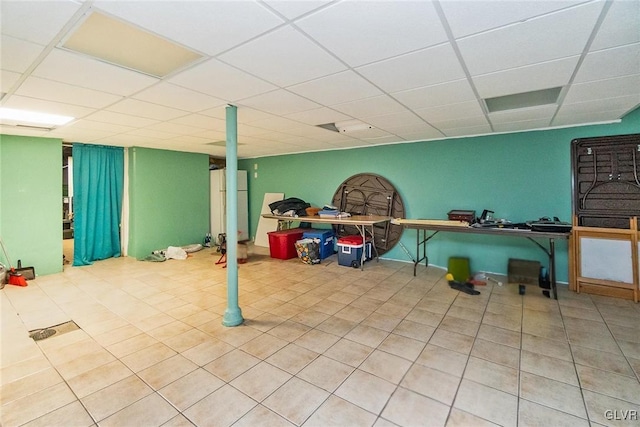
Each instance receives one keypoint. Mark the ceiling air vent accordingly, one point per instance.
(523, 100)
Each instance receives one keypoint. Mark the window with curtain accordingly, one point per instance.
(98, 174)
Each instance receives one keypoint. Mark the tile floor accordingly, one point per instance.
(321, 345)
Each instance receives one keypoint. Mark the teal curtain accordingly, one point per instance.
(98, 174)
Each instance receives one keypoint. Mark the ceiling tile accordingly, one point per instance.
(178, 97)
(597, 65)
(433, 96)
(121, 119)
(44, 106)
(293, 9)
(544, 112)
(174, 128)
(450, 111)
(36, 87)
(78, 134)
(36, 21)
(337, 88)
(423, 68)
(460, 122)
(602, 89)
(422, 135)
(471, 17)
(7, 80)
(17, 55)
(521, 125)
(619, 103)
(532, 41)
(468, 131)
(366, 31)
(525, 79)
(368, 107)
(318, 116)
(101, 126)
(275, 123)
(390, 122)
(280, 102)
(146, 109)
(568, 116)
(79, 70)
(284, 57)
(620, 26)
(221, 81)
(200, 121)
(150, 133)
(208, 26)
(21, 131)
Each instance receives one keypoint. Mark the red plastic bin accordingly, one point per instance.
(282, 244)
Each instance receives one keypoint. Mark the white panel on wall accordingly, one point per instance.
(606, 259)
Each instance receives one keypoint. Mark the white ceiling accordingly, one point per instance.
(414, 70)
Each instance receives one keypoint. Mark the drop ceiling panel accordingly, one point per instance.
(389, 122)
(450, 111)
(174, 128)
(433, 96)
(544, 112)
(146, 109)
(208, 26)
(318, 116)
(603, 89)
(8, 79)
(471, 17)
(596, 65)
(178, 97)
(222, 81)
(536, 40)
(619, 103)
(337, 88)
(121, 119)
(101, 126)
(18, 55)
(44, 106)
(79, 70)
(423, 68)
(522, 125)
(284, 57)
(467, 131)
(620, 26)
(361, 32)
(460, 122)
(36, 87)
(150, 133)
(280, 102)
(275, 123)
(525, 79)
(368, 107)
(21, 131)
(293, 9)
(36, 21)
(200, 121)
(570, 116)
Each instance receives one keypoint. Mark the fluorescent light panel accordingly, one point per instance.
(523, 100)
(119, 43)
(24, 116)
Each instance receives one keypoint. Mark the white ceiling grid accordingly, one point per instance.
(414, 70)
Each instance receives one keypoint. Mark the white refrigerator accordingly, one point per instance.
(218, 185)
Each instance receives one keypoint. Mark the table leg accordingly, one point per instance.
(552, 267)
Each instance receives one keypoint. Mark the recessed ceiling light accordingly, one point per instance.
(523, 100)
(122, 44)
(347, 126)
(17, 117)
(221, 143)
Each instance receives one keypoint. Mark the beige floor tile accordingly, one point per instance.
(349, 352)
(178, 421)
(336, 326)
(260, 381)
(208, 351)
(499, 335)
(186, 340)
(264, 345)
(601, 360)
(610, 384)
(459, 418)
(238, 335)
(589, 339)
(325, 373)
(635, 365)
(366, 390)
(111, 399)
(386, 366)
(488, 403)
(317, 341)
(296, 400)
(28, 385)
(116, 335)
(28, 408)
(367, 335)
(425, 317)
(310, 317)
(329, 307)
(382, 321)
(452, 340)
(146, 357)
(98, 378)
(191, 388)
(408, 408)
(500, 377)
(404, 347)
(84, 363)
(548, 347)
(531, 414)
(432, 383)
(443, 360)
(551, 393)
(630, 349)
(231, 365)
(167, 371)
(223, 407)
(338, 412)
(131, 345)
(497, 353)
(260, 415)
(460, 326)
(72, 414)
(23, 368)
(169, 330)
(152, 410)
(549, 367)
(608, 411)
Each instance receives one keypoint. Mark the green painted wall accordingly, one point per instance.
(31, 201)
(168, 199)
(520, 176)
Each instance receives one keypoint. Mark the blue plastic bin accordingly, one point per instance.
(327, 240)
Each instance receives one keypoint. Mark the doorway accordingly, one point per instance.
(67, 205)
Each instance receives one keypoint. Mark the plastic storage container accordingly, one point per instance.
(350, 251)
(327, 241)
(282, 244)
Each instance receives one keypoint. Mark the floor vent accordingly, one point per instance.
(44, 333)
